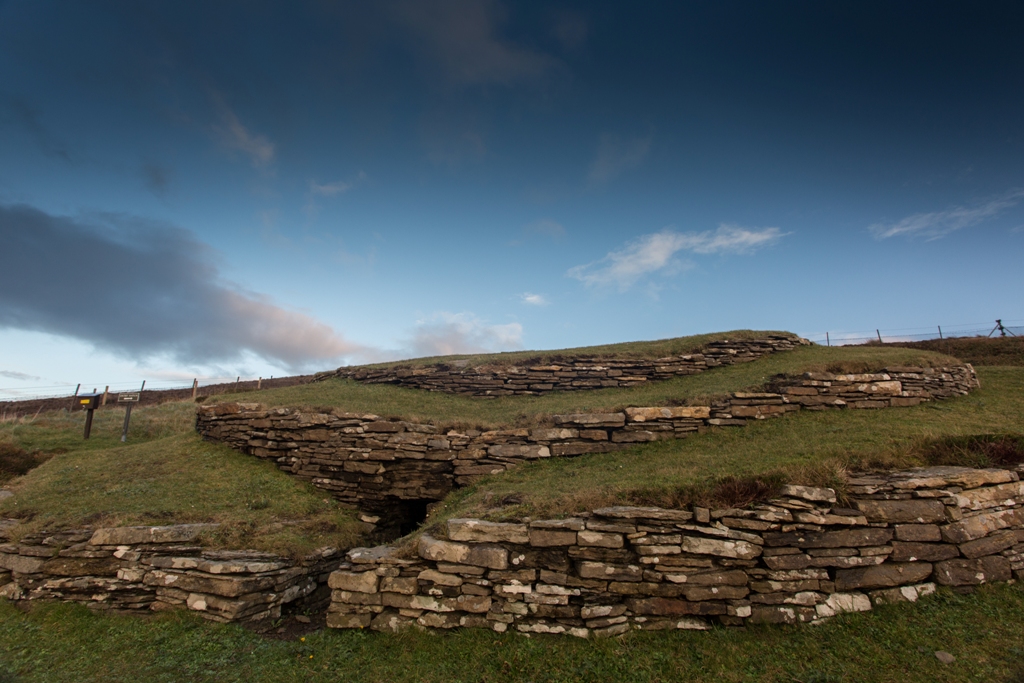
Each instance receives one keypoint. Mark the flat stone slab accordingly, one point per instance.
(133, 535)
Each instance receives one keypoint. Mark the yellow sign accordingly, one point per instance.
(85, 401)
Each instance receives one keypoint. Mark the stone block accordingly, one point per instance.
(632, 513)
(910, 551)
(591, 420)
(740, 550)
(847, 538)
(924, 533)
(990, 545)
(838, 603)
(943, 476)
(609, 572)
(809, 493)
(544, 538)
(882, 576)
(963, 572)
(135, 535)
(992, 496)
(599, 539)
(479, 531)
(979, 526)
(524, 451)
(902, 511)
(665, 607)
(21, 564)
(341, 620)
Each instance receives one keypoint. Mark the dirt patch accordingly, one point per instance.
(975, 450)
(16, 461)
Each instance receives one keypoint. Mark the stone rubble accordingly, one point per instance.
(159, 568)
(796, 558)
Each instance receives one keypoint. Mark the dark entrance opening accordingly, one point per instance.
(399, 517)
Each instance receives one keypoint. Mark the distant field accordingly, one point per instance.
(466, 411)
(975, 350)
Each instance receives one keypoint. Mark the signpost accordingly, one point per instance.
(88, 403)
(129, 398)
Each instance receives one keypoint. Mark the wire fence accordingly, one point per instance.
(830, 338)
(69, 390)
(1013, 328)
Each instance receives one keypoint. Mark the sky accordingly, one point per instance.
(219, 189)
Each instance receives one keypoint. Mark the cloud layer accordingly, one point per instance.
(446, 334)
(656, 252)
(141, 289)
(932, 226)
(615, 155)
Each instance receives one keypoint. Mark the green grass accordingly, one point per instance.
(165, 474)
(451, 410)
(806, 447)
(892, 644)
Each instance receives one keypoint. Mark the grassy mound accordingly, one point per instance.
(729, 466)
(165, 475)
(465, 411)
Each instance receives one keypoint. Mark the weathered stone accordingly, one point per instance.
(970, 572)
(630, 512)
(838, 603)
(928, 533)
(340, 620)
(526, 451)
(65, 566)
(479, 531)
(21, 564)
(901, 594)
(882, 576)
(599, 539)
(997, 542)
(851, 538)
(135, 535)
(601, 570)
(668, 413)
(673, 607)
(543, 538)
(908, 551)
(592, 419)
(943, 476)
(778, 614)
(902, 511)
(741, 550)
(979, 526)
(809, 493)
(992, 496)
(439, 578)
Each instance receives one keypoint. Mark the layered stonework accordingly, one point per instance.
(375, 464)
(568, 374)
(160, 568)
(800, 557)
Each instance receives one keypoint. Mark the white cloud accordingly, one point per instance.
(657, 252)
(236, 136)
(932, 226)
(329, 189)
(445, 334)
(615, 156)
(534, 299)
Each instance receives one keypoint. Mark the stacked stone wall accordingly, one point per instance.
(370, 463)
(159, 568)
(801, 557)
(570, 374)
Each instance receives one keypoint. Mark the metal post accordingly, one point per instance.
(88, 422)
(940, 331)
(827, 340)
(879, 336)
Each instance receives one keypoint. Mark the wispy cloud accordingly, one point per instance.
(444, 334)
(11, 374)
(234, 135)
(657, 252)
(463, 35)
(333, 189)
(932, 226)
(615, 155)
(534, 299)
(545, 227)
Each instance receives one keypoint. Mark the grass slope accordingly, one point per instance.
(466, 411)
(165, 474)
(892, 644)
(806, 447)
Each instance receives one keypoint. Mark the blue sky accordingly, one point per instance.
(248, 188)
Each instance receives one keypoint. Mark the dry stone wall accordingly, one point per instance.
(801, 557)
(376, 464)
(160, 568)
(571, 374)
